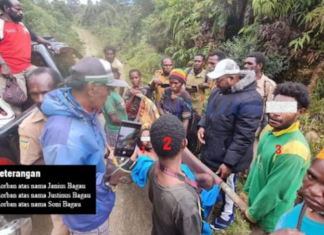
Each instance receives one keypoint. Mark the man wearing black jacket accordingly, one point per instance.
(227, 130)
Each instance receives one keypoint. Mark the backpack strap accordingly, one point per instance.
(206, 78)
(301, 215)
(188, 71)
(1, 29)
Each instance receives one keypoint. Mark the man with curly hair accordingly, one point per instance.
(282, 159)
(175, 197)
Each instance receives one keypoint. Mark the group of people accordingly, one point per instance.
(234, 133)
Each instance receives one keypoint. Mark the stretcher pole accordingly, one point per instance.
(197, 166)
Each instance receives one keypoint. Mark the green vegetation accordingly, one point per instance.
(51, 19)
(290, 32)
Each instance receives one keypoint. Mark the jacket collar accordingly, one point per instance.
(245, 82)
(294, 127)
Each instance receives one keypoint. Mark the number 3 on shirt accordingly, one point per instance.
(278, 149)
(167, 139)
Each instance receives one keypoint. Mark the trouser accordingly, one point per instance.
(256, 230)
(59, 227)
(111, 138)
(101, 230)
(229, 205)
(21, 80)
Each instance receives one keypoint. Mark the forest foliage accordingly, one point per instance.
(288, 31)
(51, 18)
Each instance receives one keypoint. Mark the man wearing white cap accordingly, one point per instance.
(227, 130)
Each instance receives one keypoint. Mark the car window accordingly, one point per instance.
(37, 59)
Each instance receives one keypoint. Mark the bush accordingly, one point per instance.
(144, 58)
(240, 47)
(50, 22)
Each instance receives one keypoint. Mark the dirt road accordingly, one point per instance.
(42, 224)
(92, 45)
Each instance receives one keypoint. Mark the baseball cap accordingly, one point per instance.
(224, 67)
(92, 69)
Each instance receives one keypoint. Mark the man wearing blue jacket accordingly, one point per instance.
(73, 135)
(234, 111)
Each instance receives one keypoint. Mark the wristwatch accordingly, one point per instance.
(112, 187)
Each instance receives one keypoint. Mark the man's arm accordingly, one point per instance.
(185, 124)
(244, 195)
(35, 37)
(247, 121)
(111, 112)
(5, 70)
(158, 106)
(115, 119)
(30, 150)
(129, 97)
(284, 173)
(59, 154)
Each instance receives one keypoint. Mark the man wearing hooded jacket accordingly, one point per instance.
(227, 130)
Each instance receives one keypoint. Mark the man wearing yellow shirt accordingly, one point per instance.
(196, 83)
(161, 78)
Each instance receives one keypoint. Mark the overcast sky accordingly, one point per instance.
(85, 1)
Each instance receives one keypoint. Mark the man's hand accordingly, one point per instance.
(243, 214)
(173, 96)
(244, 197)
(204, 85)
(190, 89)
(205, 180)
(157, 81)
(6, 72)
(134, 92)
(288, 231)
(223, 171)
(201, 135)
(54, 48)
(113, 173)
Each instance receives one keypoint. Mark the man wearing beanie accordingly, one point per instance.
(175, 99)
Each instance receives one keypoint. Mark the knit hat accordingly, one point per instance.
(91, 69)
(224, 67)
(321, 155)
(179, 75)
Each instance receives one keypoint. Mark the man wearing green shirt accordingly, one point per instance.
(283, 157)
(114, 111)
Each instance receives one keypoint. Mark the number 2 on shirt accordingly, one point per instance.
(278, 149)
(167, 139)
